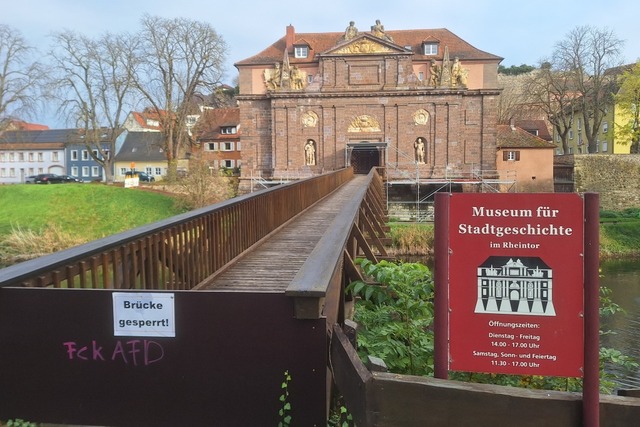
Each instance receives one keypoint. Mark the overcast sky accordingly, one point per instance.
(522, 32)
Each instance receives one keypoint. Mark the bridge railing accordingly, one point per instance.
(179, 252)
(357, 231)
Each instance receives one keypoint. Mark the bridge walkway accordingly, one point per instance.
(273, 264)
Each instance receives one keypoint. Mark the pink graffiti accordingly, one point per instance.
(134, 352)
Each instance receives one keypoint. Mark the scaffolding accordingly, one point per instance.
(424, 179)
(438, 179)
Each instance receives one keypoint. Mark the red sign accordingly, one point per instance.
(516, 283)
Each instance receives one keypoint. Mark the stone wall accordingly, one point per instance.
(615, 177)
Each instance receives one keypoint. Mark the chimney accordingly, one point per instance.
(290, 38)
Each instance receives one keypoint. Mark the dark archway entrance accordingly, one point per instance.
(365, 155)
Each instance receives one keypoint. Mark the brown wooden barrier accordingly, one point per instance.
(61, 363)
(391, 400)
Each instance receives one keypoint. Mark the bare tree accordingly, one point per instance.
(181, 58)
(93, 82)
(583, 57)
(20, 75)
(553, 92)
(515, 102)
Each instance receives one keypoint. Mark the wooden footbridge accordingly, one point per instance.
(250, 289)
(232, 315)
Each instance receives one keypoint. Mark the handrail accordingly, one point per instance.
(324, 266)
(178, 252)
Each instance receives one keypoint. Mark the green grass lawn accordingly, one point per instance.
(89, 211)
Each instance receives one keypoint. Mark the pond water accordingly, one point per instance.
(623, 278)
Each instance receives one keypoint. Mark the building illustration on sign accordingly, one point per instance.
(515, 286)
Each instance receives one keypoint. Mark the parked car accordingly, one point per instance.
(51, 178)
(142, 176)
(70, 178)
(48, 178)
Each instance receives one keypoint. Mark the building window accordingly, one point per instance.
(74, 170)
(421, 75)
(605, 146)
(85, 171)
(96, 154)
(148, 170)
(21, 157)
(579, 124)
(95, 171)
(12, 173)
(12, 157)
(54, 156)
(430, 48)
(3, 172)
(226, 146)
(123, 171)
(1, 157)
(228, 130)
(40, 157)
(30, 157)
(227, 163)
(212, 146)
(580, 142)
(301, 51)
(570, 133)
(238, 146)
(512, 156)
(309, 78)
(85, 155)
(74, 154)
(158, 171)
(605, 127)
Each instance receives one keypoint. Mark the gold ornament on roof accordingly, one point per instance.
(378, 31)
(364, 46)
(284, 77)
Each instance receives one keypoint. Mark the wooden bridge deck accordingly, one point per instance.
(272, 265)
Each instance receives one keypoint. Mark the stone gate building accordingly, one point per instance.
(419, 102)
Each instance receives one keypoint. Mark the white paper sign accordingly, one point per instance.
(144, 314)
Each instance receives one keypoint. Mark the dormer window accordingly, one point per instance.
(430, 48)
(151, 122)
(301, 51)
(228, 130)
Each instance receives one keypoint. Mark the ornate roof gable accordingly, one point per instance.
(364, 44)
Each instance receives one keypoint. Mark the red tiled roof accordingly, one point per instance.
(22, 125)
(212, 120)
(532, 126)
(515, 137)
(322, 42)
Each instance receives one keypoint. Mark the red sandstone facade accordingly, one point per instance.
(365, 100)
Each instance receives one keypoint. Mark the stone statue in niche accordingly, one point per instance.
(418, 147)
(310, 153)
